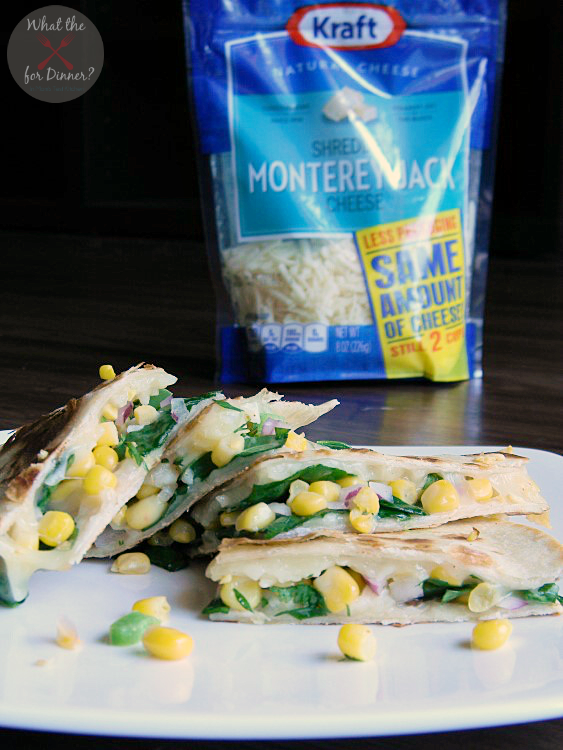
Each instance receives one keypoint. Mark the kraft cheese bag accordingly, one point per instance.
(346, 161)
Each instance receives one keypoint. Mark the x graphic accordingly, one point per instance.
(46, 43)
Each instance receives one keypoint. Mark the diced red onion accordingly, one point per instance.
(512, 602)
(166, 401)
(124, 413)
(178, 409)
(383, 490)
(375, 585)
(269, 426)
(347, 493)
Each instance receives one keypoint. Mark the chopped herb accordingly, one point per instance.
(548, 593)
(226, 405)
(163, 394)
(215, 606)
(47, 490)
(430, 479)
(348, 610)
(263, 602)
(309, 601)
(334, 444)
(178, 461)
(261, 443)
(242, 600)
(273, 491)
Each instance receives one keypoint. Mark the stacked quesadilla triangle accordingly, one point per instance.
(336, 535)
(66, 476)
(223, 440)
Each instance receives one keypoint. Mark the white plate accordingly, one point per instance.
(270, 682)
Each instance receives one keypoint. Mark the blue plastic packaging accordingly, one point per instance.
(347, 154)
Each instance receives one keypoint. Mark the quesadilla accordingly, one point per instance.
(64, 477)
(220, 442)
(474, 570)
(362, 491)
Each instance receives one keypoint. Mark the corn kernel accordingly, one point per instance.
(145, 512)
(357, 642)
(338, 588)
(329, 490)
(480, 489)
(67, 635)
(404, 490)
(182, 531)
(255, 518)
(295, 442)
(110, 412)
(98, 479)
(440, 497)
(167, 643)
(131, 563)
(307, 503)
(248, 588)
(154, 606)
(146, 490)
(107, 372)
(64, 489)
(108, 434)
(81, 465)
(351, 481)
(55, 527)
(443, 574)
(226, 449)
(118, 521)
(145, 414)
(106, 457)
(367, 500)
(360, 521)
(228, 518)
(483, 597)
(491, 634)
(358, 577)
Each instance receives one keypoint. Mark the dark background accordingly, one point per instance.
(120, 161)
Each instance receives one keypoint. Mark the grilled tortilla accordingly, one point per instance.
(44, 467)
(220, 442)
(474, 570)
(399, 481)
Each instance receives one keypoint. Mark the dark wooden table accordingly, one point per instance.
(71, 303)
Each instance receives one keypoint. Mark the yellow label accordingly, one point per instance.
(415, 274)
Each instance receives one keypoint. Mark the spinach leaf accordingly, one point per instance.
(242, 600)
(334, 444)
(215, 606)
(309, 601)
(430, 479)
(195, 400)
(143, 441)
(273, 491)
(434, 588)
(226, 405)
(396, 508)
(47, 490)
(548, 593)
(172, 558)
(281, 524)
(160, 396)
(202, 467)
(261, 443)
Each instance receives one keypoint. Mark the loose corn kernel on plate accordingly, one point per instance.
(269, 682)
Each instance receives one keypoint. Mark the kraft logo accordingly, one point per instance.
(346, 26)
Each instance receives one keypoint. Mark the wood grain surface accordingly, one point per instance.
(71, 303)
